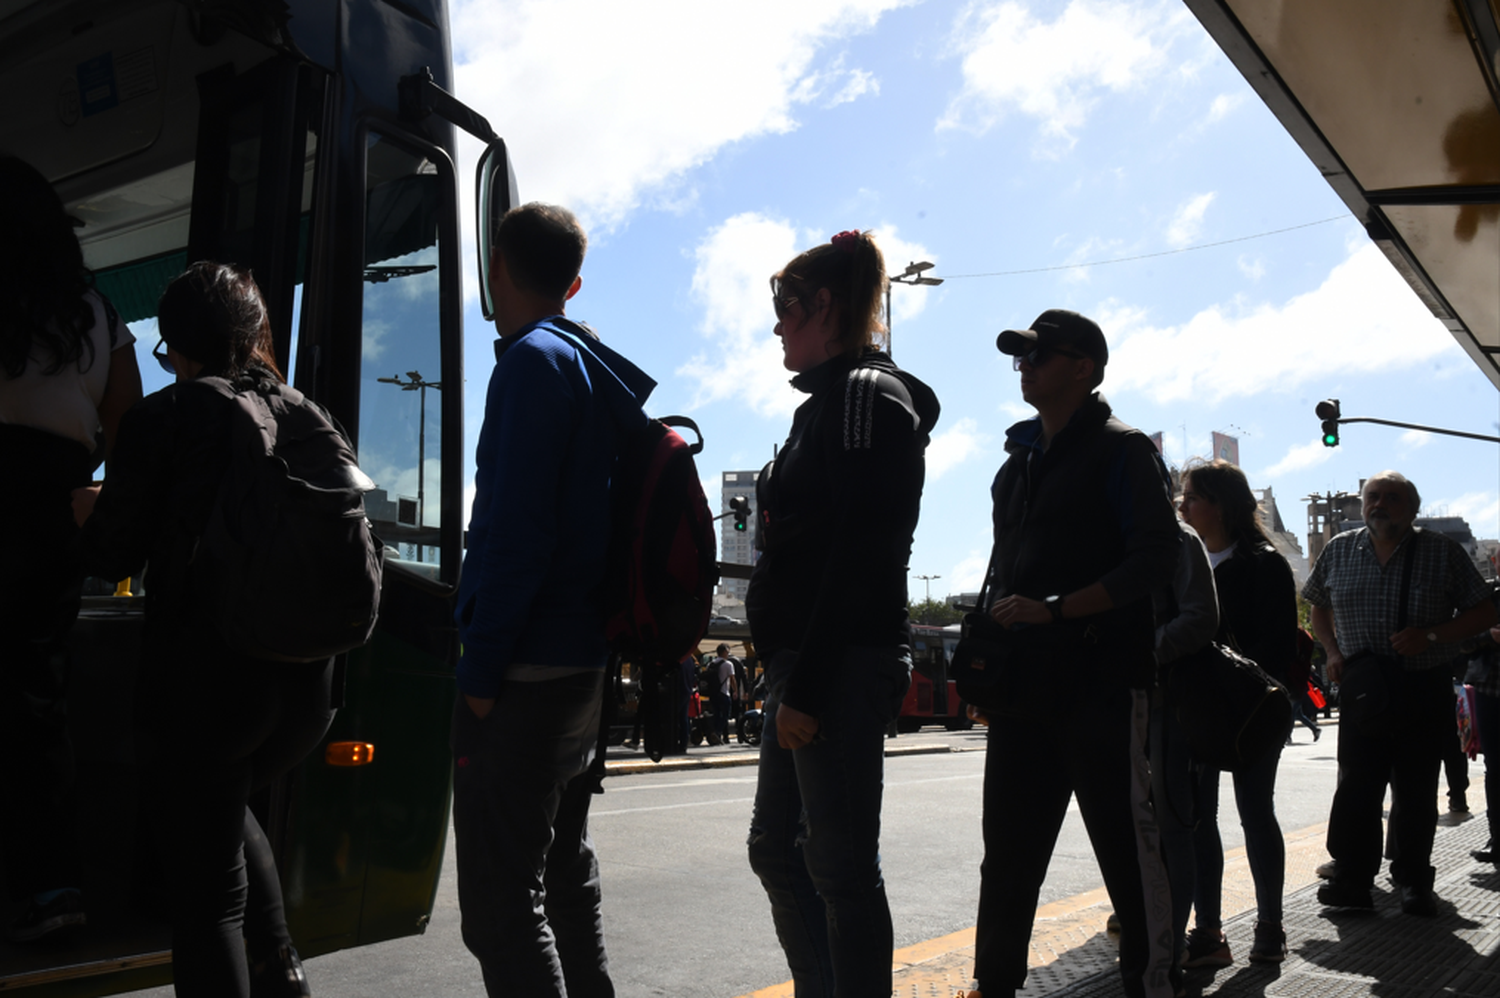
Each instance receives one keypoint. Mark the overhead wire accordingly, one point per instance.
(1148, 256)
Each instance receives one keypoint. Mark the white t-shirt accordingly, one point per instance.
(724, 672)
(65, 403)
(1216, 558)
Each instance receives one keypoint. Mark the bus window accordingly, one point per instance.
(400, 409)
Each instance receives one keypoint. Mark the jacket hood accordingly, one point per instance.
(624, 387)
(924, 400)
(1095, 411)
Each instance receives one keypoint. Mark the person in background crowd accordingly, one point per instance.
(217, 725)
(1484, 676)
(1356, 589)
(67, 375)
(827, 608)
(1084, 536)
(1257, 616)
(723, 690)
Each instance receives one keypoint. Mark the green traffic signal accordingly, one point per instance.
(740, 507)
(1328, 411)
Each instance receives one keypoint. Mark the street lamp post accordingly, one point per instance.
(911, 275)
(416, 384)
(927, 579)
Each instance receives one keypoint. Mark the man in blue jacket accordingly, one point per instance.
(531, 672)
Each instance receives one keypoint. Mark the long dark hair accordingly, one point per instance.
(214, 313)
(852, 268)
(42, 276)
(1225, 485)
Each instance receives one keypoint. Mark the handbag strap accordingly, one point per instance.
(1406, 570)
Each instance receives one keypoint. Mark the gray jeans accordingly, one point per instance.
(528, 880)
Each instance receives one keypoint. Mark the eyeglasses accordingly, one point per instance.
(780, 303)
(1040, 356)
(160, 353)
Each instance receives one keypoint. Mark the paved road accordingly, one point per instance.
(684, 915)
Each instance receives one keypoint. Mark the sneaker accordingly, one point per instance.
(1328, 870)
(1317, 732)
(1270, 943)
(1458, 805)
(1418, 901)
(1489, 854)
(1207, 949)
(48, 913)
(1336, 894)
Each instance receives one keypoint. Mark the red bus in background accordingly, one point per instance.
(933, 697)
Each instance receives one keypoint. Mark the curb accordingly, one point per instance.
(630, 767)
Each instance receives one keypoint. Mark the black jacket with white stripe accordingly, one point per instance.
(837, 509)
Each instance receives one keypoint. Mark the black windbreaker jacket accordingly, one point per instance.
(837, 510)
(1095, 506)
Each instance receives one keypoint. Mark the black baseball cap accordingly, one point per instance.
(1057, 327)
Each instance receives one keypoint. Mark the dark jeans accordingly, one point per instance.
(1410, 760)
(1265, 848)
(238, 725)
(720, 702)
(528, 880)
(1174, 792)
(1487, 720)
(1033, 767)
(39, 594)
(815, 835)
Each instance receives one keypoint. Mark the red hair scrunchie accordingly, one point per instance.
(847, 240)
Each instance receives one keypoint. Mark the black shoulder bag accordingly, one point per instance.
(980, 659)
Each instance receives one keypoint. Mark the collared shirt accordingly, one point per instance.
(1365, 596)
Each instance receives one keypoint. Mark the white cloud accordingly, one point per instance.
(1254, 269)
(1222, 105)
(1412, 439)
(968, 575)
(734, 263)
(1363, 318)
(1055, 71)
(1297, 458)
(1188, 220)
(635, 97)
(1480, 509)
(1016, 410)
(954, 446)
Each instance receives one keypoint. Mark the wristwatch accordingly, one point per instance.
(1432, 636)
(1054, 605)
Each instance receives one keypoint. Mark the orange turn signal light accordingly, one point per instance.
(349, 754)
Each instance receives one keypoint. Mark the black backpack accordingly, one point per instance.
(287, 567)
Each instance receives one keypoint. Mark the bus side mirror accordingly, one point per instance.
(494, 194)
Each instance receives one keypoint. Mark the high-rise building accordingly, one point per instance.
(737, 547)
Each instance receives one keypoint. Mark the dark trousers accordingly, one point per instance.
(1032, 768)
(815, 834)
(528, 880)
(238, 725)
(1265, 847)
(39, 596)
(1487, 721)
(1174, 799)
(1409, 760)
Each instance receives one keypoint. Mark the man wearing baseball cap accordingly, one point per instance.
(1084, 531)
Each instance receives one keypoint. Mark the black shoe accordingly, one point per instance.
(1418, 901)
(1340, 895)
(1489, 854)
(279, 976)
(1458, 805)
(62, 909)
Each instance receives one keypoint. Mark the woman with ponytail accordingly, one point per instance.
(827, 608)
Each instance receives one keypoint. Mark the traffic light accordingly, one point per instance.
(1328, 412)
(740, 507)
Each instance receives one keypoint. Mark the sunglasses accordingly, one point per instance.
(1040, 356)
(780, 303)
(160, 353)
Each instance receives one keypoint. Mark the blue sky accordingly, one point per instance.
(703, 144)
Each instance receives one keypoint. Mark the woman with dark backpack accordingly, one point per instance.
(1258, 617)
(827, 608)
(216, 724)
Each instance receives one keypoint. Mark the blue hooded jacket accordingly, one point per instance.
(539, 528)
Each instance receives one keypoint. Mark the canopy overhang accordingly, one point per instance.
(1397, 102)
